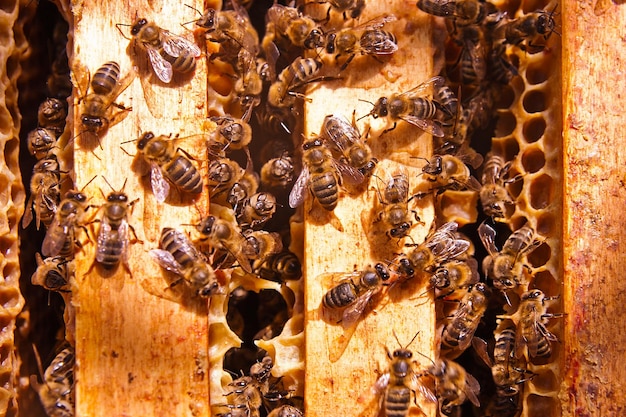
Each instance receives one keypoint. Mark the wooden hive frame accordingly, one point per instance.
(592, 243)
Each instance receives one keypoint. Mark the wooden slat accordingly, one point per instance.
(333, 388)
(137, 353)
(594, 61)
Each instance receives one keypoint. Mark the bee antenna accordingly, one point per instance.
(192, 8)
(117, 25)
(89, 182)
(38, 360)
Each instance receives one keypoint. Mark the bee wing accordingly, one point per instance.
(476, 54)
(422, 89)
(373, 397)
(427, 125)
(354, 311)
(28, 213)
(160, 186)
(55, 236)
(480, 347)
(103, 235)
(471, 184)
(122, 235)
(349, 173)
(332, 279)
(166, 261)
(235, 250)
(487, 235)
(384, 46)
(472, 389)
(161, 67)
(416, 385)
(298, 192)
(176, 45)
(340, 132)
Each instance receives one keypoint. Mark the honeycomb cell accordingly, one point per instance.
(533, 159)
(515, 187)
(10, 297)
(511, 149)
(534, 101)
(544, 382)
(546, 282)
(4, 186)
(533, 129)
(518, 222)
(537, 72)
(506, 98)
(541, 191)
(506, 124)
(540, 256)
(545, 224)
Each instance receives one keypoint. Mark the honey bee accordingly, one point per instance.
(352, 8)
(473, 58)
(365, 39)
(440, 245)
(51, 115)
(345, 137)
(394, 387)
(45, 193)
(246, 395)
(222, 176)
(508, 370)
(448, 100)
(494, 197)
(287, 24)
(113, 236)
(505, 403)
(245, 186)
(350, 296)
(463, 12)
(278, 172)
(522, 31)
(286, 411)
(53, 273)
(458, 333)
(452, 172)
(256, 210)
(169, 162)
(41, 142)
(283, 92)
(179, 255)
(230, 134)
(221, 234)
(253, 73)
(283, 266)
(276, 120)
(531, 330)
(260, 246)
(453, 275)
(413, 107)
(60, 236)
(319, 174)
(453, 385)
(106, 85)
(57, 391)
(167, 52)
(395, 206)
(501, 70)
(505, 267)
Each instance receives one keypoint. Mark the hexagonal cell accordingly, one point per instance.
(545, 224)
(544, 382)
(541, 191)
(533, 129)
(533, 159)
(540, 256)
(546, 282)
(506, 124)
(537, 72)
(537, 405)
(534, 101)
(511, 149)
(506, 97)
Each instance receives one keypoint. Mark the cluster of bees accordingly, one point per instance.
(246, 229)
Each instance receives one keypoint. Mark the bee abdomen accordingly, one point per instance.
(169, 242)
(106, 78)
(326, 190)
(185, 175)
(340, 296)
(423, 108)
(397, 401)
(182, 63)
(110, 253)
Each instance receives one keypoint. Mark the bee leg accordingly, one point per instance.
(390, 129)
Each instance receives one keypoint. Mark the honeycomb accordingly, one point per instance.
(527, 134)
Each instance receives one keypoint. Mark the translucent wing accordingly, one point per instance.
(298, 192)
(427, 125)
(416, 385)
(241, 258)
(488, 236)
(379, 45)
(166, 261)
(28, 213)
(353, 313)
(176, 45)
(122, 235)
(341, 133)
(472, 389)
(422, 89)
(57, 235)
(349, 173)
(161, 67)
(160, 186)
(104, 235)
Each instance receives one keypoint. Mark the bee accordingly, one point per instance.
(463, 12)
(395, 206)
(51, 115)
(246, 395)
(505, 267)
(351, 8)
(505, 403)
(41, 142)
(452, 172)
(531, 329)
(230, 134)
(413, 107)
(440, 245)
(278, 172)
(350, 297)
(472, 60)
(221, 234)
(283, 91)
(345, 138)
(453, 275)
(283, 266)
(365, 39)
(260, 246)
(253, 73)
(222, 176)
(458, 333)
(286, 24)
(501, 70)
(246, 186)
(171, 163)
(113, 236)
(167, 52)
(448, 100)
(276, 120)
(494, 197)
(53, 273)
(45, 193)
(508, 370)
(453, 385)
(286, 411)
(60, 236)
(394, 387)
(179, 255)
(256, 210)
(522, 31)
(106, 85)
(57, 391)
